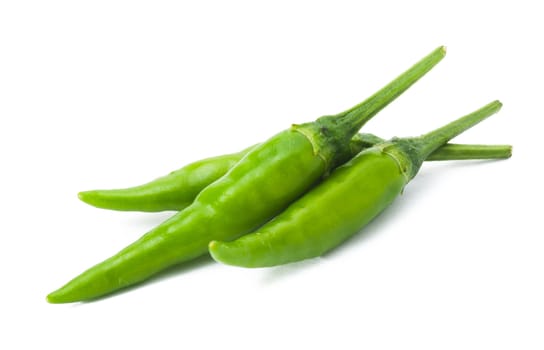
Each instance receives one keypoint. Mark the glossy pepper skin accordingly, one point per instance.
(178, 189)
(257, 188)
(343, 203)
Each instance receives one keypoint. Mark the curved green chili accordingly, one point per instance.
(343, 203)
(257, 188)
(178, 189)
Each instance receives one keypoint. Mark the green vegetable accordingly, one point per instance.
(343, 203)
(257, 188)
(178, 189)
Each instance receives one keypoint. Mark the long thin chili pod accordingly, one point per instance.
(257, 188)
(178, 189)
(343, 203)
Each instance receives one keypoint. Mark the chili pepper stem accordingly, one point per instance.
(357, 116)
(327, 134)
(419, 148)
(453, 151)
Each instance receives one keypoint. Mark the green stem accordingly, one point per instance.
(355, 117)
(330, 134)
(436, 138)
(418, 149)
(452, 151)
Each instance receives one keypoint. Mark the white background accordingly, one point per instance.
(104, 94)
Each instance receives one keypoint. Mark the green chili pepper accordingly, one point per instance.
(343, 203)
(178, 189)
(257, 188)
